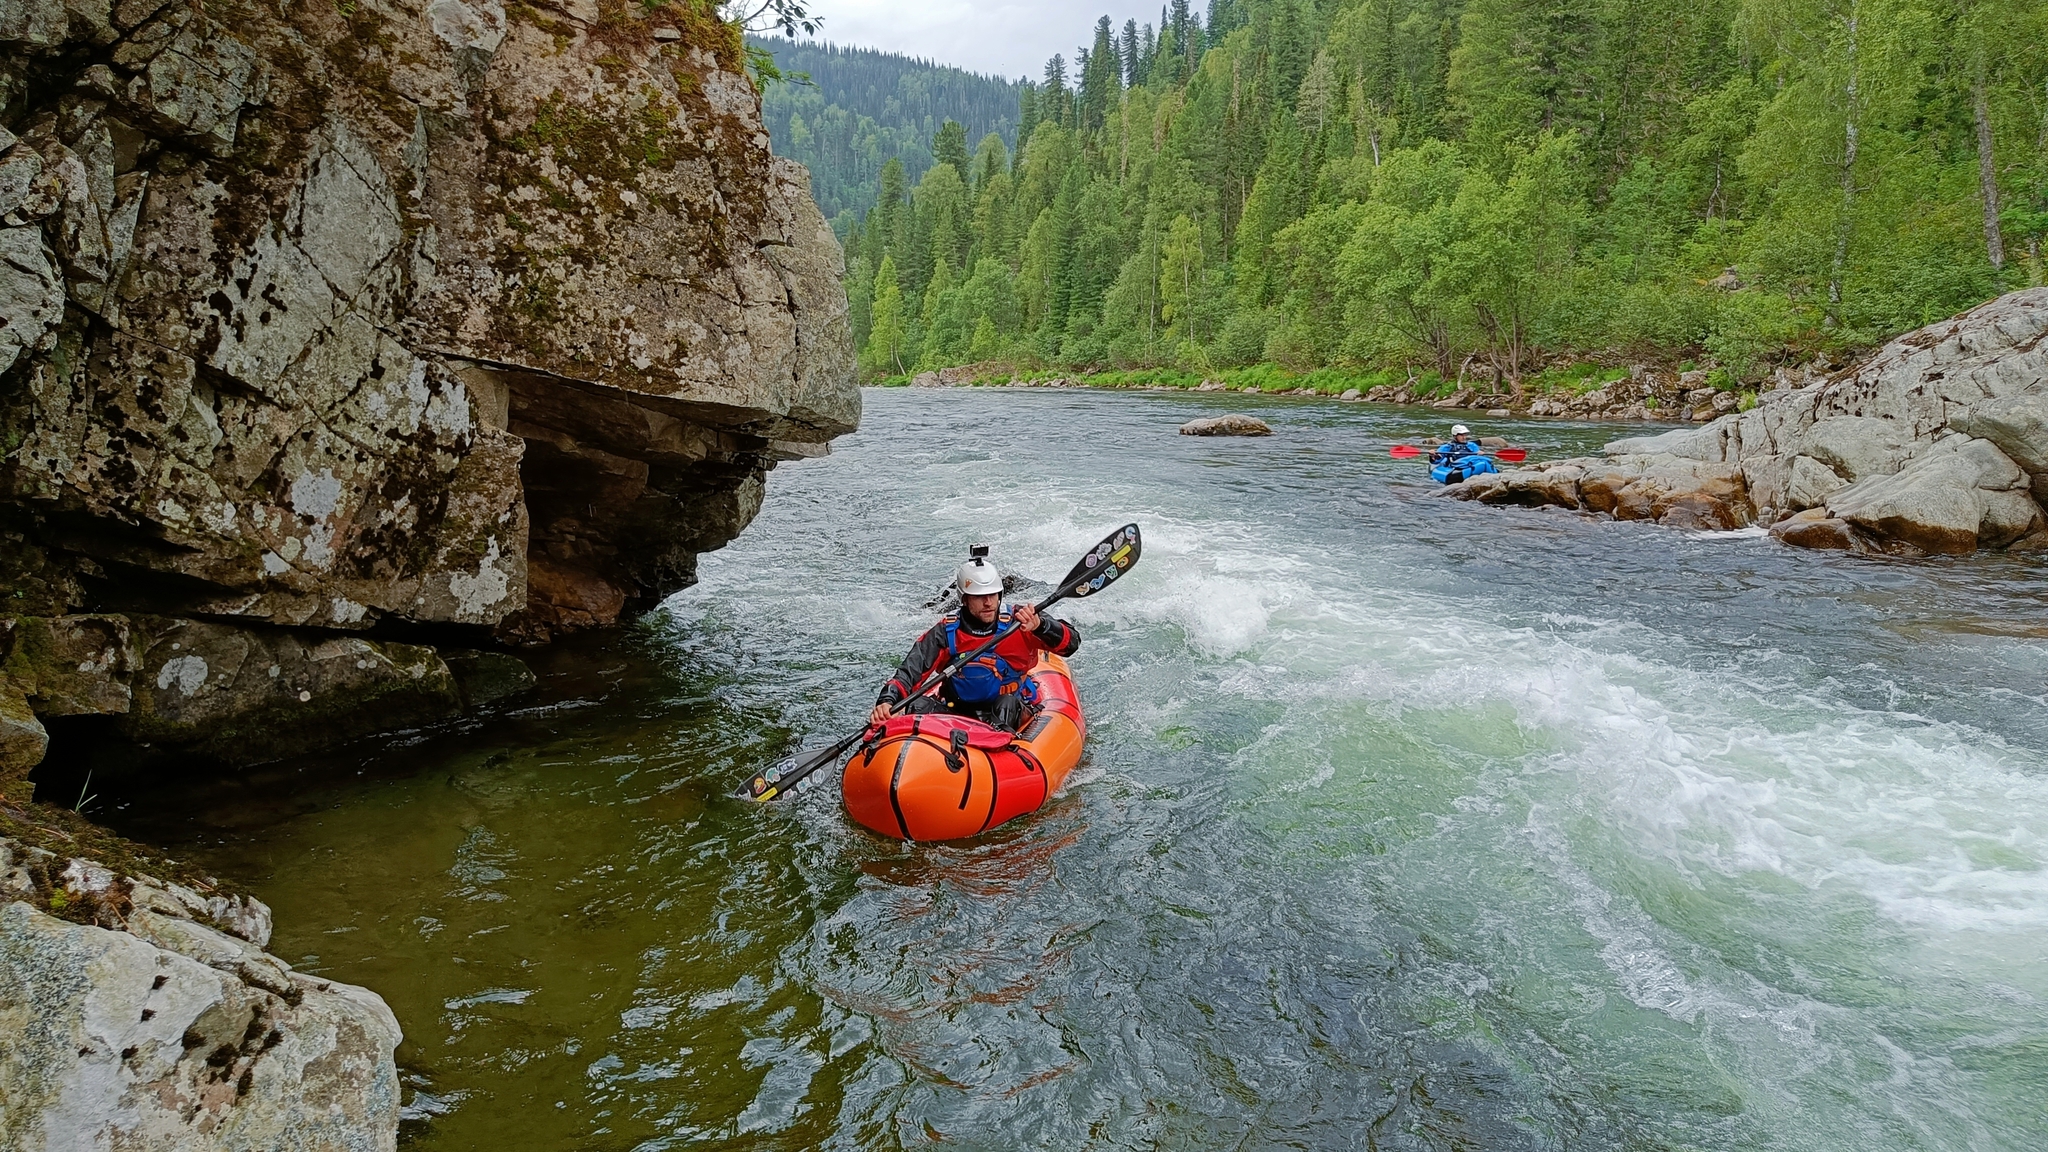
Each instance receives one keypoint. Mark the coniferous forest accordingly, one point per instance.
(1474, 186)
(847, 111)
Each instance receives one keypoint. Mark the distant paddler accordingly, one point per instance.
(1460, 457)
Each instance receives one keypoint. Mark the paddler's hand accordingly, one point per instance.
(880, 714)
(1026, 617)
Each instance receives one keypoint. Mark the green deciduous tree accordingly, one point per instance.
(884, 351)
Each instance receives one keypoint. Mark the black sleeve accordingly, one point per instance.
(1059, 637)
(920, 660)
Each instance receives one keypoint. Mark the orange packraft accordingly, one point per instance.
(946, 777)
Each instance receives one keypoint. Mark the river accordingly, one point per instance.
(1404, 824)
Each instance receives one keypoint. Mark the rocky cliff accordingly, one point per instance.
(337, 337)
(1937, 444)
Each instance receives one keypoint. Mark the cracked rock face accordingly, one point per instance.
(1935, 445)
(148, 1015)
(426, 314)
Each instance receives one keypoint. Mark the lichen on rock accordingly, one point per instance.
(139, 1012)
(420, 317)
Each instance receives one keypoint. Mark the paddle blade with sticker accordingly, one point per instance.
(1108, 560)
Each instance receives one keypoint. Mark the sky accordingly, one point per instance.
(1008, 38)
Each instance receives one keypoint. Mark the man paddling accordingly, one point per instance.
(991, 688)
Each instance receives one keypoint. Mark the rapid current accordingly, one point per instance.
(1404, 824)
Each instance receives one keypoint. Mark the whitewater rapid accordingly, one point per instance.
(1404, 823)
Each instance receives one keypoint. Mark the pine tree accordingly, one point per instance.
(1101, 78)
(949, 146)
(1055, 103)
(1028, 115)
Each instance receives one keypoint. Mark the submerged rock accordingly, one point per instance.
(136, 1013)
(1233, 424)
(487, 677)
(1937, 444)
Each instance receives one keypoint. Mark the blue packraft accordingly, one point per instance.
(1462, 468)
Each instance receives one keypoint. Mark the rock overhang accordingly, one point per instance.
(317, 317)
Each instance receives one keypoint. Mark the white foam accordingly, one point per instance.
(1673, 829)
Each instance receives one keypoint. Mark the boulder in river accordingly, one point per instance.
(1231, 424)
(1935, 444)
(1675, 492)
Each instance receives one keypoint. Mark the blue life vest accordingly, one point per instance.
(988, 675)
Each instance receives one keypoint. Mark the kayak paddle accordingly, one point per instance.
(1410, 451)
(1108, 560)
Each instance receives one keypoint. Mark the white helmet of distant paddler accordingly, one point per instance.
(1460, 430)
(978, 577)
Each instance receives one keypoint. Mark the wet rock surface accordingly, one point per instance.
(1935, 445)
(1230, 424)
(332, 334)
(137, 1012)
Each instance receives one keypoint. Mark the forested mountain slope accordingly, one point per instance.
(862, 108)
(1469, 184)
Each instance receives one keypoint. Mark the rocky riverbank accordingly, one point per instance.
(341, 348)
(1935, 445)
(139, 1011)
(1645, 393)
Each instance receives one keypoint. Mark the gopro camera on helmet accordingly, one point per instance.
(978, 577)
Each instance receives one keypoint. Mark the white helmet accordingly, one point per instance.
(978, 577)
(1460, 430)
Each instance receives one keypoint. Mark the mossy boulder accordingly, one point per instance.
(22, 738)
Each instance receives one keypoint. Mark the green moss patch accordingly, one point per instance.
(65, 834)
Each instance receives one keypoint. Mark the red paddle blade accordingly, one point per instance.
(1512, 455)
(1404, 451)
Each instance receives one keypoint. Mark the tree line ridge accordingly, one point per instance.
(1472, 187)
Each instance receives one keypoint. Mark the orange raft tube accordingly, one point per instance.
(942, 777)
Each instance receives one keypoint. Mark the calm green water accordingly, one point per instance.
(1404, 825)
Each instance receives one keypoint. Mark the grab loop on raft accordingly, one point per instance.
(956, 756)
